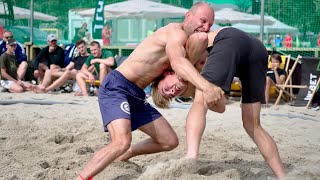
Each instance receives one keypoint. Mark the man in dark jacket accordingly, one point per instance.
(50, 57)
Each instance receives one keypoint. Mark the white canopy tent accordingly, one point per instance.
(138, 9)
(143, 9)
(22, 13)
(232, 17)
(277, 27)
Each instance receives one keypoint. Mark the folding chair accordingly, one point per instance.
(284, 65)
(287, 85)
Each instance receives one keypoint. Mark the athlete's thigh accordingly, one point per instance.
(119, 129)
(159, 129)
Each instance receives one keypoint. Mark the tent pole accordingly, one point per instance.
(262, 20)
(31, 21)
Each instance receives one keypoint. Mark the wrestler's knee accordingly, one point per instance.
(170, 143)
(122, 143)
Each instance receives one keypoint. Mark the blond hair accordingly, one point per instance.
(159, 100)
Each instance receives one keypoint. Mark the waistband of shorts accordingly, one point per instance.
(122, 78)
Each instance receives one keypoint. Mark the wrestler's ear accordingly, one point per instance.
(188, 15)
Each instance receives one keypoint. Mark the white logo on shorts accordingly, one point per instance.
(125, 107)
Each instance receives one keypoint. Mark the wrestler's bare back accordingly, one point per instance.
(149, 59)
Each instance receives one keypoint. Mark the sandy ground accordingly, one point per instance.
(55, 141)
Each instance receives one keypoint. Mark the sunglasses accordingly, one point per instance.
(8, 37)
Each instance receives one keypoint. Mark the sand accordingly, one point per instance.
(55, 141)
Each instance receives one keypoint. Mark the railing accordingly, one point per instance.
(126, 50)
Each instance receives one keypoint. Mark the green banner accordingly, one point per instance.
(98, 21)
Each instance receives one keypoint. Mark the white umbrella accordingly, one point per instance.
(138, 9)
(277, 27)
(22, 13)
(231, 16)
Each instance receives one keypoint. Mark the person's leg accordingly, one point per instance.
(47, 79)
(81, 80)
(13, 87)
(22, 69)
(265, 143)
(104, 70)
(120, 132)
(42, 69)
(27, 86)
(162, 138)
(195, 125)
(61, 80)
(269, 84)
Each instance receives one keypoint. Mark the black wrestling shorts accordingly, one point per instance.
(235, 53)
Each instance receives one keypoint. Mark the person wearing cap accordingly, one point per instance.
(20, 53)
(10, 79)
(50, 57)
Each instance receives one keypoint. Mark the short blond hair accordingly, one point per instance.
(159, 100)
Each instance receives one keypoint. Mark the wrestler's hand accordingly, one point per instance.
(91, 79)
(212, 94)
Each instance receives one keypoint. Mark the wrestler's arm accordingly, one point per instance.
(176, 53)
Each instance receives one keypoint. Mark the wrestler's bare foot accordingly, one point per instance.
(38, 89)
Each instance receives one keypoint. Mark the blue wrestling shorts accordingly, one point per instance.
(119, 98)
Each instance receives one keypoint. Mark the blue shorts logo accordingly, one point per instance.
(125, 107)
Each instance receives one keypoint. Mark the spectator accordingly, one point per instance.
(275, 75)
(69, 73)
(10, 79)
(1, 31)
(287, 41)
(106, 35)
(20, 53)
(88, 38)
(319, 40)
(80, 34)
(103, 63)
(278, 40)
(51, 57)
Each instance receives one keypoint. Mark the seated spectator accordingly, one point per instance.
(50, 57)
(88, 39)
(20, 54)
(103, 62)
(275, 75)
(64, 74)
(10, 79)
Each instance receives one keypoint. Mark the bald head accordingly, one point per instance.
(200, 5)
(199, 18)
